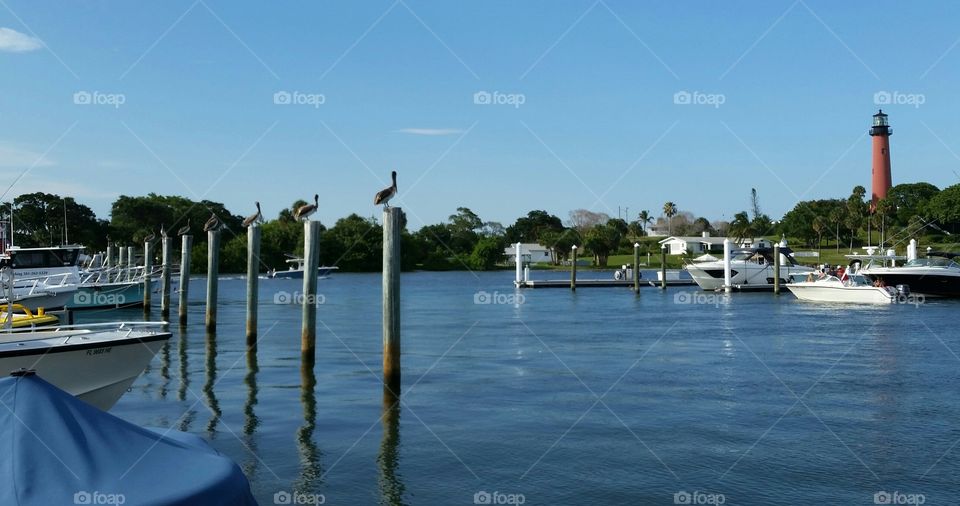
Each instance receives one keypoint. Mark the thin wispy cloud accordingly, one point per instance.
(16, 157)
(431, 131)
(12, 41)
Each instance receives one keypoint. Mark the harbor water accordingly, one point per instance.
(553, 397)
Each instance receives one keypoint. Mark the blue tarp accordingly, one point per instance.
(56, 449)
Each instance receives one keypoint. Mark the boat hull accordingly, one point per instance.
(844, 294)
(97, 370)
(108, 295)
(322, 272)
(709, 275)
(929, 285)
(48, 298)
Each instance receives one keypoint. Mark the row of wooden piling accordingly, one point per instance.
(308, 299)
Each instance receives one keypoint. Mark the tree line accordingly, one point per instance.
(465, 241)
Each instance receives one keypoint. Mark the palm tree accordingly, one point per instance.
(836, 216)
(884, 208)
(669, 210)
(644, 219)
(740, 227)
(819, 227)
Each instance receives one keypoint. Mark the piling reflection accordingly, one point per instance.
(164, 369)
(310, 469)
(184, 373)
(209, 396)
(389, 480)
(250, 419)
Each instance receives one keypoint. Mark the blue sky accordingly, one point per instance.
(588, 117)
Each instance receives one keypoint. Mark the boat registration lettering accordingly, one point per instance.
(99, 351)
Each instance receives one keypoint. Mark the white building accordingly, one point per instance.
(531, 251)
(697, 245)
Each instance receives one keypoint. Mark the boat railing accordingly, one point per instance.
(37, 283)
(122, 325)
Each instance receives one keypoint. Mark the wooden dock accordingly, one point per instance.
(597, 283)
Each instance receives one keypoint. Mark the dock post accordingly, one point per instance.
(121, 263)
(253, 271)
(131, 264)
(213, 278)
(573, 269)
(311, 264)
(663, 266)
(636, 267)
(147, 267)
(519, 263)
(391, 299)
(727, 283)
(185, 250)
(165, 278)
(109, 264)
(776, 269)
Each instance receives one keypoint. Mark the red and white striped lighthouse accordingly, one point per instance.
(881, 133)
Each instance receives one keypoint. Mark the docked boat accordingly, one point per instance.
(94, 362)
(295, 269)
(937, 275)
(43, 277)
(854, 288)
(22, 317)
(750, 269)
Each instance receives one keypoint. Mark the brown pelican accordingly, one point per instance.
(212, 224)
(163, 232)
(149, 238)
(383, 196)
(304, 212)
(256, 217)
(184, 230)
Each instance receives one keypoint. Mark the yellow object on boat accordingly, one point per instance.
(23, 317)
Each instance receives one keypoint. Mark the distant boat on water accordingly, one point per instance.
(295, 269)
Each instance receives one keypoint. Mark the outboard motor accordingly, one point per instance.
(903, 290)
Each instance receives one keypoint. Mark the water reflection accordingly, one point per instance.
(250, 419)
(184, 373)
(389, 480)
(310, 469)
(209, 395)
(165, 369)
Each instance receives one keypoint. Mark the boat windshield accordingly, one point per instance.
(931, 262)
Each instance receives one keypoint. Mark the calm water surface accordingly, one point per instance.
(597, 397)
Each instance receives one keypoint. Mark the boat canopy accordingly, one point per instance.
(58, 449)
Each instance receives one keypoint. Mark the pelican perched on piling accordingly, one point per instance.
(304, 212)
(256, 217)
(212, 224)
(383, 196)
(163, 231)
(149, 238)
(184, 230)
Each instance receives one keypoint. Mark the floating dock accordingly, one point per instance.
(596, 283)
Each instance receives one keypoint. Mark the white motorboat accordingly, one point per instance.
(295, 270)
(854, 288)
(43, 277)
(95, 362)
(750, 269)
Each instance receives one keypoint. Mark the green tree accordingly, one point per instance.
(741, 227)
(601, 240)
(38, 220)
(910, 199)
(528, 228)
(944, 207)
(356, 244)
(670, 210)
(644, 218)
(487, 253)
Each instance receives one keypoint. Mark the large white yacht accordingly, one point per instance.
(750, 269)
(937, 275)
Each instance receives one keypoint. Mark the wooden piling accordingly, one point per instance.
(147, 267)
(573, 268)
(776, 269)
(253, 272)
(391, 298)
(636, 267)
(165, 249)
(663, 266)
(121, 263)
(213, 278)
(311, 264)
(131, 265)
(185, 248)
(109, 264)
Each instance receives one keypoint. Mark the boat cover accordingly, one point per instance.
(57, 449)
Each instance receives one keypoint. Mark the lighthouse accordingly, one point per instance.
(881, 133)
